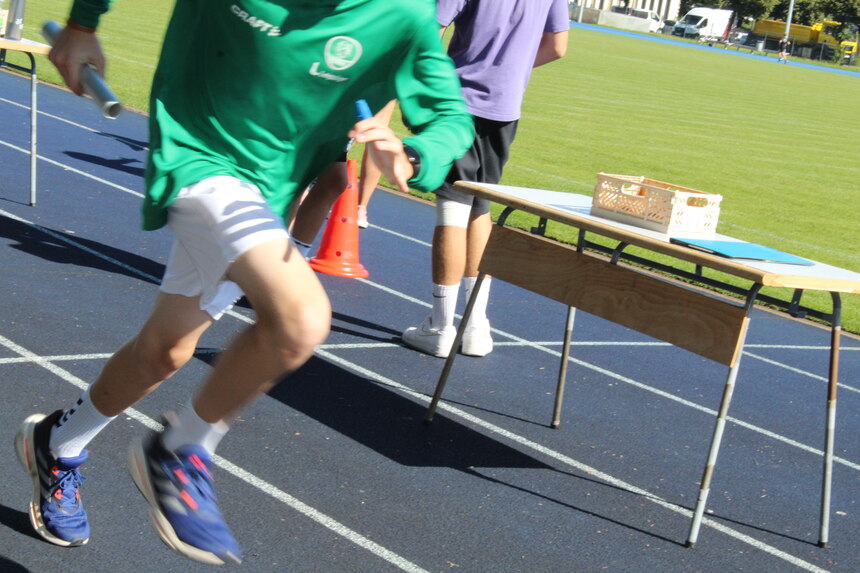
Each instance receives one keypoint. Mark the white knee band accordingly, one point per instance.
(451, 213)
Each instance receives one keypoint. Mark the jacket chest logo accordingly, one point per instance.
(341, 52)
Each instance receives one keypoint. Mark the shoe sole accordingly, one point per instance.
(412, 338)
(475, 349)
(437, 352)
(27, 457)
(136, 462)
(477, 341)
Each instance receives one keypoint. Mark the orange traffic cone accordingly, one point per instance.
(338, 252)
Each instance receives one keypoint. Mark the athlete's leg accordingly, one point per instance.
(293, 317)
(233, 238)
(314, 208)
(370, 173)
(166, 342)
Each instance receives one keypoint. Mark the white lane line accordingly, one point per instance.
(59, 358)
(64, 239)
(800, 371)
(402, 236)
(376, 345)
(568, 461)
(76, 171)
(640, 385)
(800, 347)
(55, 117)
(321, 518)
(519, 439)
(238, 472)
(517, 339)
(282, 496)
(549, 343)
(147, 65)
(360, 540)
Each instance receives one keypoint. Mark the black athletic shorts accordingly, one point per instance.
(486, 158)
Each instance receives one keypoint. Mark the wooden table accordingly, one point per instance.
(605, 285)
(31, 49)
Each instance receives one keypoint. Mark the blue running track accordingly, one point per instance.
(333, 471)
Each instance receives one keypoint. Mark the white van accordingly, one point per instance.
(704, 24)
(655, 22)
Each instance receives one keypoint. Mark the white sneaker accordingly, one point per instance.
(362, 217)
(433, 341)
(477, 340)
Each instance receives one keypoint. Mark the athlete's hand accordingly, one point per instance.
(71, 50)
(385, 149)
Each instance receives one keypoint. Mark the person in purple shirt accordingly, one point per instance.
(495, 45)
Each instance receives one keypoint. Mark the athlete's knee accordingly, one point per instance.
(295, 335)
(452, 213)
(160, 357)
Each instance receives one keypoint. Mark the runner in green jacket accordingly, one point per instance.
(250, 101)
(273, 108)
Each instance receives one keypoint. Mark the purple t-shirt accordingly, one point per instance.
(494, 47)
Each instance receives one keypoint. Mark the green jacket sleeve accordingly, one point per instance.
(87, 12)
(432, 104)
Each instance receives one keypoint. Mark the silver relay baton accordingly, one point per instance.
(94, 85)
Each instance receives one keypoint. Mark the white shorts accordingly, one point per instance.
(215, 221)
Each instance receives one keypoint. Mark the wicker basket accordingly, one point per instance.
(663, 207)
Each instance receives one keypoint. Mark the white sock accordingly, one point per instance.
(479, 309)
(190, 429)
(444, 305)
(77, 427)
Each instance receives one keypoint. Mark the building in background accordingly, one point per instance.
(666, 9)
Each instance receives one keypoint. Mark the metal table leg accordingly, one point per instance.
(33, 114)
(562, 369)
(449, 362)
(33, 130)
(719, 427)
(830, 430)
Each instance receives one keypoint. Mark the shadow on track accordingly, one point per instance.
(57, 247)
(17, 521)
(345, 402)
(123, 164)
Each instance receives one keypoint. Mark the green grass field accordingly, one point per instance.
(778, 142)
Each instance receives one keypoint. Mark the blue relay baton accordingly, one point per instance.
(362, 110)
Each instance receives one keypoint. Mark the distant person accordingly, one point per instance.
(249, 102)
(370, 174)
(495, 45)
(784, 48)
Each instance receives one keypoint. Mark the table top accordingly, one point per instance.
(574, 210)
(24, 45)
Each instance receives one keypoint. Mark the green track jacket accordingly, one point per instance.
(265, 91)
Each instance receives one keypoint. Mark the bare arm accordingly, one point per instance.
(553, 46)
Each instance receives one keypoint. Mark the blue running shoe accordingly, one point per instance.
(179, 489)
(56, 511)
